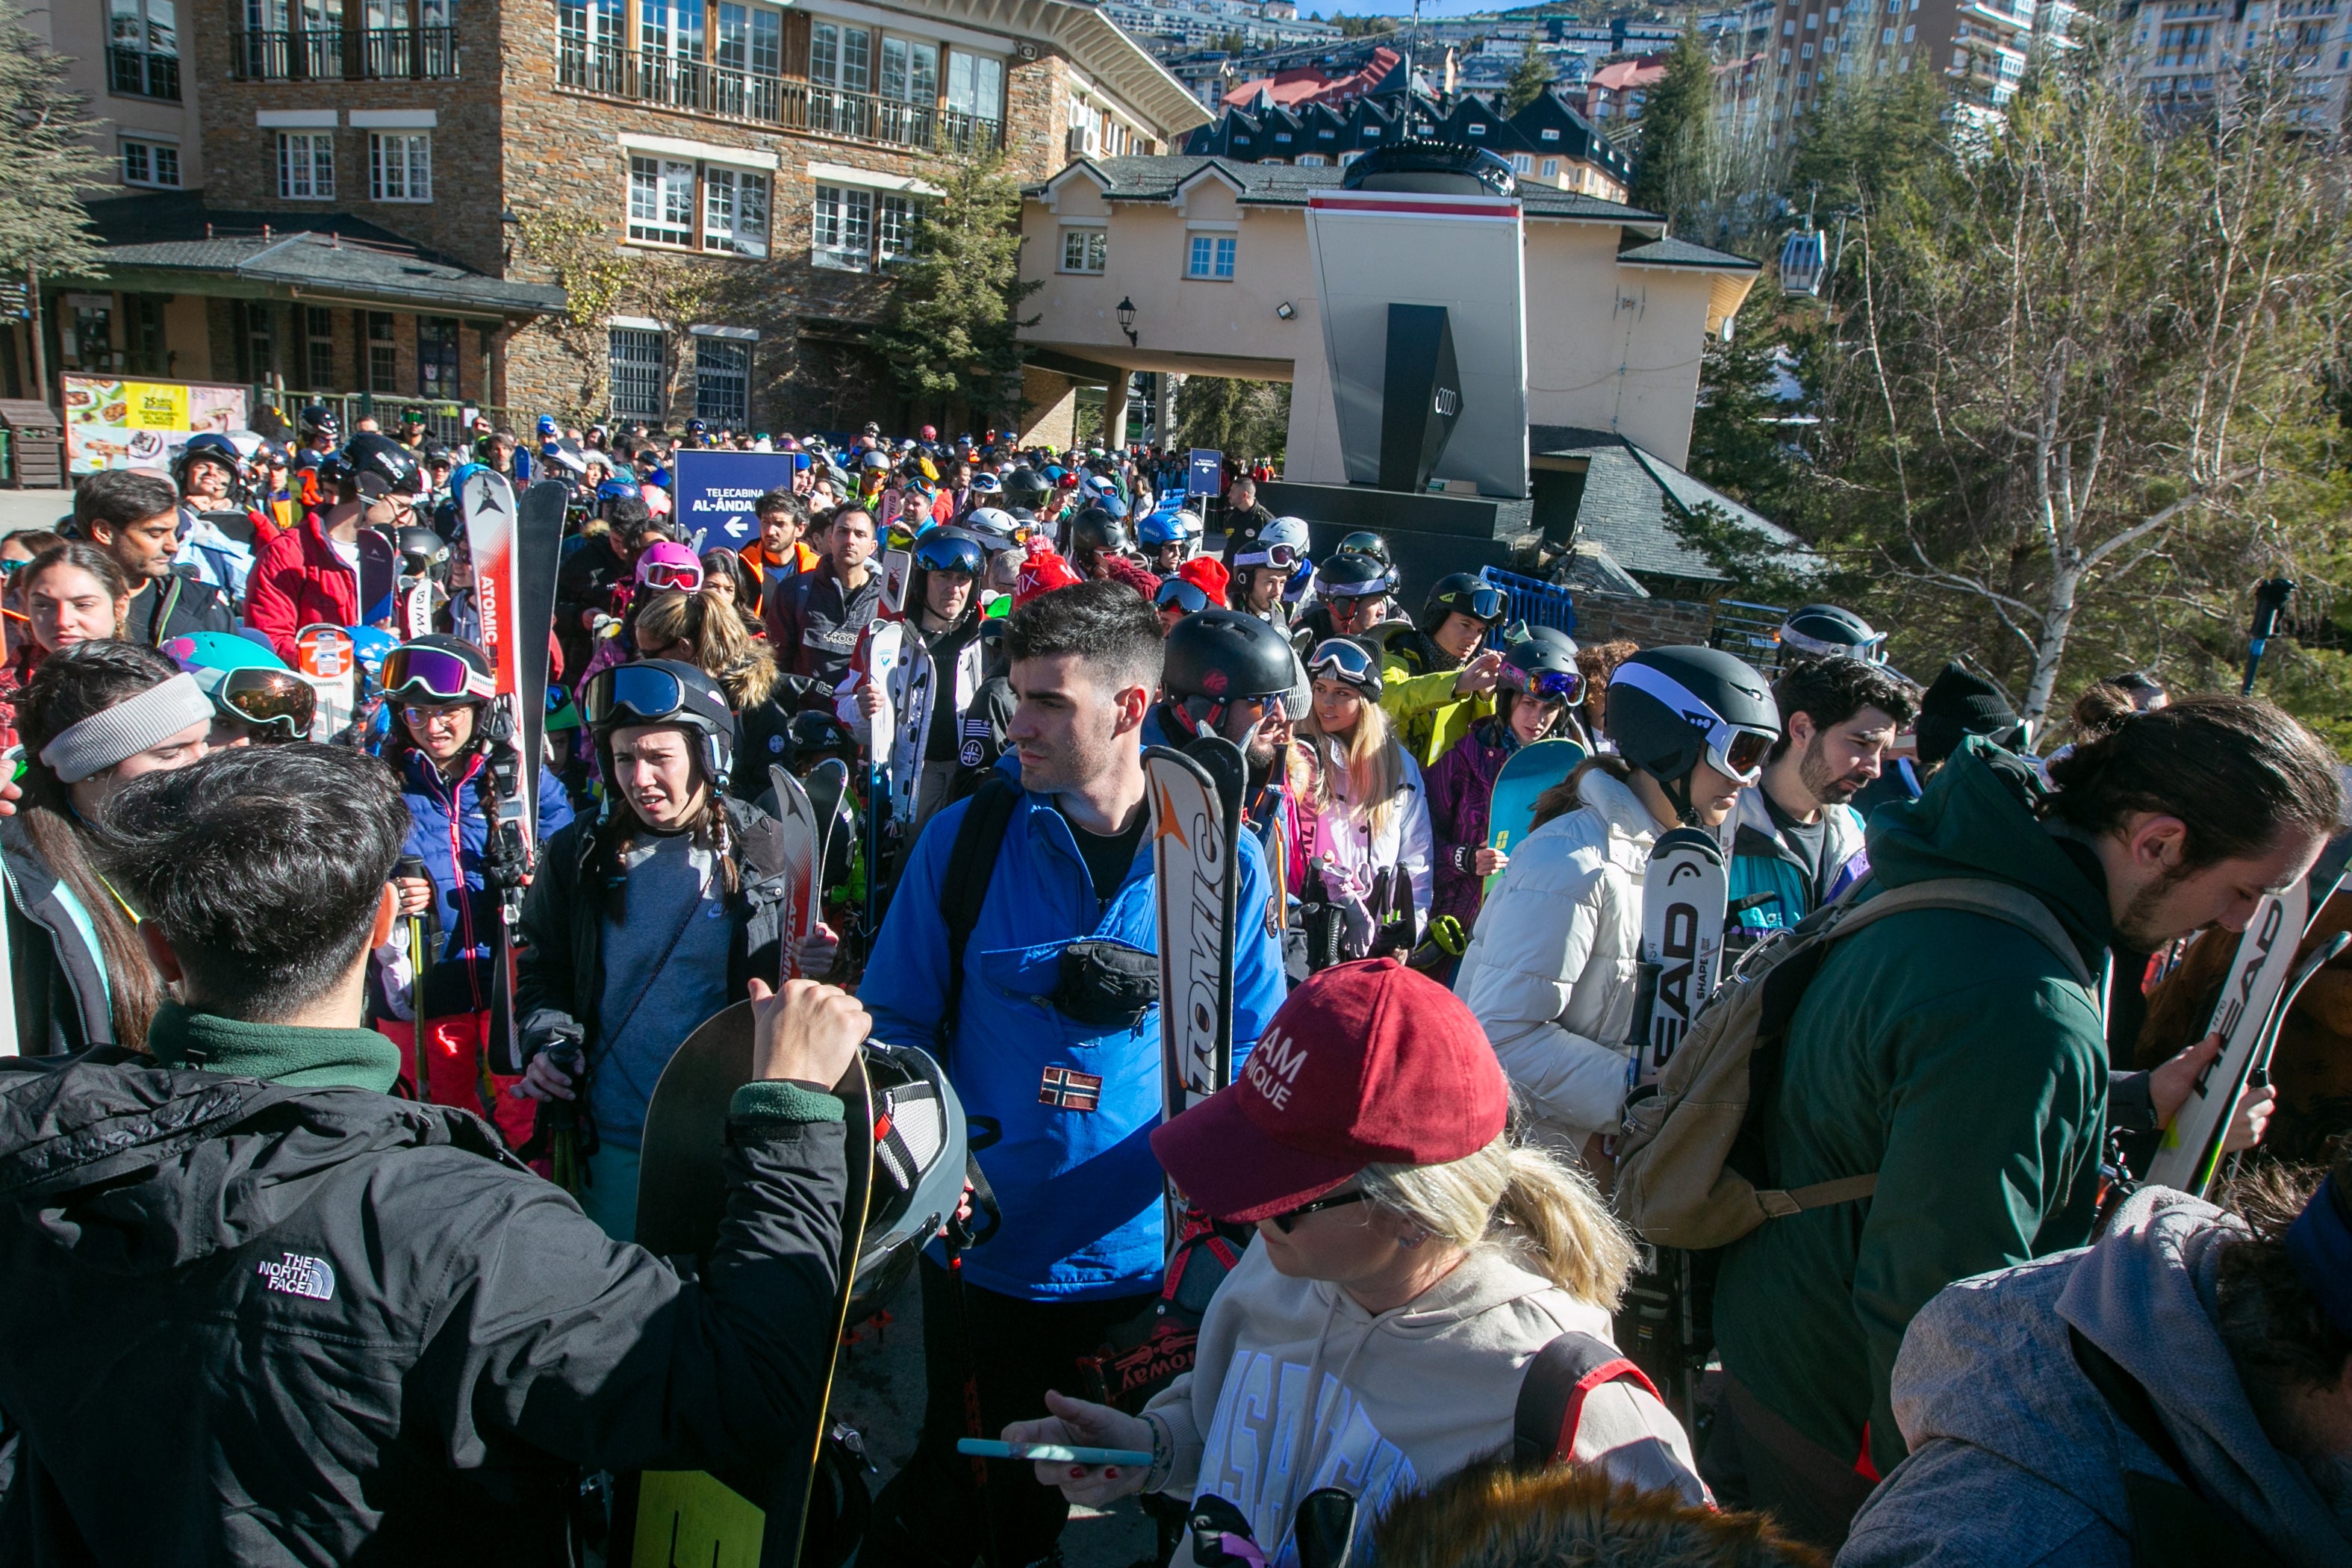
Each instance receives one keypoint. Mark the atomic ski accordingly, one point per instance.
(1192, 855)
(2259, 987)
(1527, 774)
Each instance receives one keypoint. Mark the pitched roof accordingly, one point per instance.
(174, 232)
(1630, 495)
(1157, 179)
(1682, 253)
(1647, 71)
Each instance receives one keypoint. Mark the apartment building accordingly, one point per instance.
(2183, 52)
(125, 58)
(730, 184)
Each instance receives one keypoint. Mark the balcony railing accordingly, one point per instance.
(789, 102)
(336, 54)
(139, 74)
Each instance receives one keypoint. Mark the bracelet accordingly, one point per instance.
(1163, 1454)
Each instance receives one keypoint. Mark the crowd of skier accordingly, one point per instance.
(1868, 1213)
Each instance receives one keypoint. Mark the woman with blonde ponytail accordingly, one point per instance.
(1411, 1261)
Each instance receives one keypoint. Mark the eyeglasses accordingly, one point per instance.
(435, 672)
(1176, 592)
(423, 713)
(1284, 1222)
(639, 691)
(1344, 660)
(269, 698)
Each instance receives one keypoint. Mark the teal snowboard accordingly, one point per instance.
(1531, 770)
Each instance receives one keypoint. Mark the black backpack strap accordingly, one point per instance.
(971, 862)
(1552, 1392)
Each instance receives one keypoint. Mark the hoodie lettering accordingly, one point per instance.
(1254, 1438)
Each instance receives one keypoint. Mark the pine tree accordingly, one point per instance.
(45, 159)
(1529, 81)
(951, 328)
(1670, 164)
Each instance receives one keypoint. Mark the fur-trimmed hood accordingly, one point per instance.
(1491, 1516)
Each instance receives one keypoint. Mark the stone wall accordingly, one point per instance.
(1653, 623)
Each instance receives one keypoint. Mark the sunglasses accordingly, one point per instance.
(270, 699)
(1284, 1221)
(637, 690)
(1343, 661)
(435, 672)
(1186, 597)
(1224, 715)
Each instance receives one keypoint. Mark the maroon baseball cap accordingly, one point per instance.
(1366, 1064)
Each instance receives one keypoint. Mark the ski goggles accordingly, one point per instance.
(434, 673)
(1488, 605)
(1735, 750)
(1547, 685)
(1281, 556)
(1185, 598)
(950, 554)
(1347, 661)
(639, 693)
(268, 700)
(661, 575)
(1237, 719)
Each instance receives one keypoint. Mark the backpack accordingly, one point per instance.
(1675, 1181)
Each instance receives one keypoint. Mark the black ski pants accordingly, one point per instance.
(933, 1513)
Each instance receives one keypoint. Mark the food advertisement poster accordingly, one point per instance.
(114, 424)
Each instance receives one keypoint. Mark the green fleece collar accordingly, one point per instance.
(279, 1053)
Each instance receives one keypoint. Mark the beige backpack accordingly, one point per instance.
(1676, 1183)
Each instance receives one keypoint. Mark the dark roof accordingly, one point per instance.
(1628, 496)
(1155, 179)
(1682, 253)
(174, 231)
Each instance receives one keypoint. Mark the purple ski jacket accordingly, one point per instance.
(1460, 788)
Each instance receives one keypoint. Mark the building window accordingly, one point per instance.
(1806, 52)
(436, 357)
(910, 71)
(735, 211)
(841, 57)
(150, 163)
(1312, 160)
(1551, 168)
(400, 166)
(1085, 249)
(256, 342)
(661, 201)
(1909, 34)
(722, 380)
(142, 48)
(894, 227)
(383, 353)
(1523, 164)
(319, 347)
(976, 86)
(306, 165)
(1475, 128)
(1212, 258)
(841, 223)
(634, 366)
(1551, 133)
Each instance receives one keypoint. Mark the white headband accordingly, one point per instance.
(98, 743)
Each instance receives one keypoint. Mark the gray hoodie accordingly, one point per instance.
(2016, 1459)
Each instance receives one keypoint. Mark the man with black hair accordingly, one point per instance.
(814, 619)
(134, 517)
(397, 1342)
(1058, 1066)
(1796, 836)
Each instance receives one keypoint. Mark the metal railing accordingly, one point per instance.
(444, 420)
(730, 93)
(142, 74)
(337, 54)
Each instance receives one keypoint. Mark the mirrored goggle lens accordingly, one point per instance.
(435, 672)
(634, 691)
(1741, 753)
(667, 576)
(1185, 596)
(1285, 556)
(950, 555)
(1556, 686)
(1342, 659)
(1486, 603)
(269, 696)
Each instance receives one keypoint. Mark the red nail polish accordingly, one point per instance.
(1078, 1472)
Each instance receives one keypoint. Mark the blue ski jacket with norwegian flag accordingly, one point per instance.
(1061, 1112)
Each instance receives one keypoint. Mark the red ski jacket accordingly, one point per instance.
(300, 581)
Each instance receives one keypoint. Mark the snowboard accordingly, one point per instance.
(693, 1516)
(1684, 892)
(514, 556)
(2262, 980)
(1527, 774)
(801, 845)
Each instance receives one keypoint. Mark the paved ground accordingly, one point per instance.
(33, 509)
(880, 1391)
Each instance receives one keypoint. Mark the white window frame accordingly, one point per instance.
(1093, 245)
(655, 214)
(306, 165)
(1211, 257)
(736, 205)
(399, 165)
(152, 158)
(841, 229)
(894, 226)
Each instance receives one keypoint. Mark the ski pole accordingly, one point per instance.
(411, 867)
(2270, 599)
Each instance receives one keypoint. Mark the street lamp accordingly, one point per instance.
(1126, 320)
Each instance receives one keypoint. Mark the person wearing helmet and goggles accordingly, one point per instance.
(1363, 840)
(1263, 566)
(437, 688)
(1351, 598)
(645, 921)
(1827, 631)
(1441, 676)
(663, 566)
(1550, 968)
(257, 700)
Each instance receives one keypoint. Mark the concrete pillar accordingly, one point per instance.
(1114, 410)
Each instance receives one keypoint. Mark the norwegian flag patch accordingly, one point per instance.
(1070, 1089)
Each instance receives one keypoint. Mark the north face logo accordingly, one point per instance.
(301, 1276)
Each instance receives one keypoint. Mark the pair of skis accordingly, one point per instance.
(2263, 981)
(517, 545)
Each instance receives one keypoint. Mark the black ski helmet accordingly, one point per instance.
(1224, 655)
(818, 734)
(1827, 630)
(1023, 488)
(1471, 594)
(318, 419)
(1669, 708)
(662, 691)
(1353, 574)
(422, 551)
(1095, 529)
(376, 455)
(1364, 542)
(1544, 663)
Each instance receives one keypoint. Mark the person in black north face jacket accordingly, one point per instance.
(283, 1317)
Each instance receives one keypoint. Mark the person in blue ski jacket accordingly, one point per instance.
(1061, 1109)
(436, 687)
